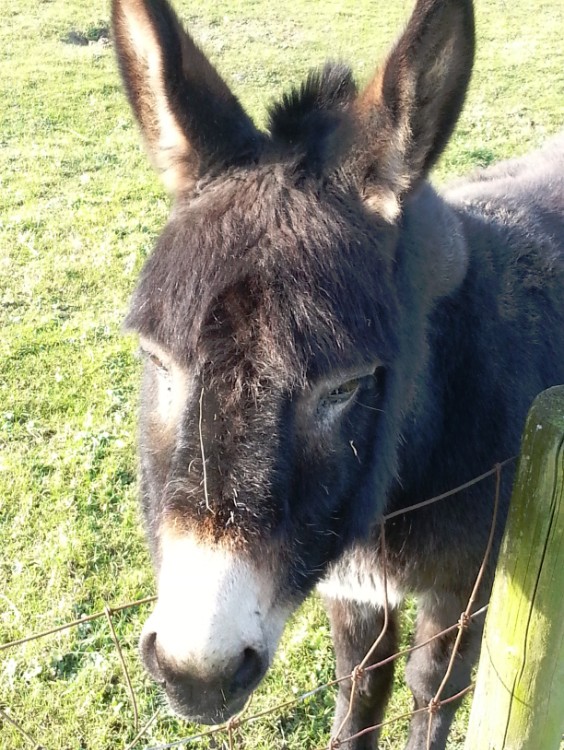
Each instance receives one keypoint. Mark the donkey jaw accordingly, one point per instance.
(214, 630)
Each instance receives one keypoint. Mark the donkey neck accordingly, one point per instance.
(433, 261)
(433, 246)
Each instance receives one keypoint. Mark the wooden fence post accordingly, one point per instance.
(519, 699)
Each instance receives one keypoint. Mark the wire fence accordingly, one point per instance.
(339, 739)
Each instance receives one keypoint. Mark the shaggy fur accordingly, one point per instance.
(349, 342)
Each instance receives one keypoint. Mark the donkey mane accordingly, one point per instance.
(313, 119)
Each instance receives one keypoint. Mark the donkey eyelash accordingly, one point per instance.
(371, 408)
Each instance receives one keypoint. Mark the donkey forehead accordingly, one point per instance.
(258, 264)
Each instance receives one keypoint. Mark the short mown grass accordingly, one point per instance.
(79, 212)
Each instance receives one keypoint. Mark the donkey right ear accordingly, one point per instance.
(190, 120)
(409, 109)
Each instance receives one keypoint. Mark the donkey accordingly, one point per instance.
(327, 340)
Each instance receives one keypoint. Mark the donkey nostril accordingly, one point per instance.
(148, 648)
(248, 672)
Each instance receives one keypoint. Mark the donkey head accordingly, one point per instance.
(283, 322)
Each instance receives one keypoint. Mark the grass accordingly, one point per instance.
(79, 212)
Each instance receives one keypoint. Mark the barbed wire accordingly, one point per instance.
(336, 741)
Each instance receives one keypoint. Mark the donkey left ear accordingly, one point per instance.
(189, 118)
(408, 111)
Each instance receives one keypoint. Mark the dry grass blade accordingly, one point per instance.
(144, 729)
(115, 639)
(6, 717)
(201, 435)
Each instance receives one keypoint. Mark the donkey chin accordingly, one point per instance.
(214, 631)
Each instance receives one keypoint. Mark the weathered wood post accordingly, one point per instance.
(519, 699)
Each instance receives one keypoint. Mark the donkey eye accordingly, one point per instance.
(342, 393)
(156, 361)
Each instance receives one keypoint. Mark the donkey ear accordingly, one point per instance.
(409, 109)
(189, 118)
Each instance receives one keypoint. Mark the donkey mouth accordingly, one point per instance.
(214, 700)
(205, 713)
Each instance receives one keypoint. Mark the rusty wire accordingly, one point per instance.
(236, 722)
(277, 708)
(75, 623)
(464, 617)
(358, 671)
(401, 717)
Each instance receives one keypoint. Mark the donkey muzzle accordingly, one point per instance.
(205, 698)
(214, 630)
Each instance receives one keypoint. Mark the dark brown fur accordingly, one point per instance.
(350, 341)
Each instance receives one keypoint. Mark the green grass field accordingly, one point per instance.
(79, 212)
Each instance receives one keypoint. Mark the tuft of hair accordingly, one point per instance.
(312, 121)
